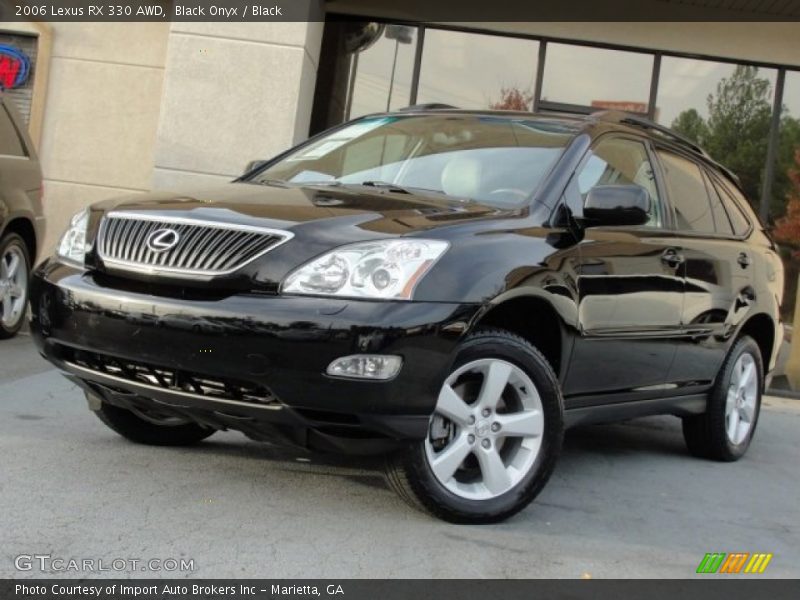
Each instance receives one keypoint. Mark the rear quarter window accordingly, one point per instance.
(734, 200)
(10, 142)
(721, 221)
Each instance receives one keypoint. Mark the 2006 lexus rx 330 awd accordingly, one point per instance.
(449, 288)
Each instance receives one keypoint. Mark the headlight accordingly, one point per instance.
(387, 269)
(72, 247)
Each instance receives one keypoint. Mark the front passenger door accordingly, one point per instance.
(630, 288)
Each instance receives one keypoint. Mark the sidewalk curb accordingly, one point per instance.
(792, 395)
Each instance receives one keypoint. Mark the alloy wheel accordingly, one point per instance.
(13, 286)
(486, 430)
(740, 405)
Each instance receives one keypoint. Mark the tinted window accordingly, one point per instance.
(741, 224)
(10, 144)
(597, 77)
(471, 70)
(382, 80)
(687, 192)
(619, 161)
(722, 223)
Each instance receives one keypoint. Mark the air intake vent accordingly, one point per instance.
(207, 386)
(148, 243)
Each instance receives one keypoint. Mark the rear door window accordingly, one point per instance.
(687, 193)
(10, 143)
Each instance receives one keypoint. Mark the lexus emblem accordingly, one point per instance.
(162, 240)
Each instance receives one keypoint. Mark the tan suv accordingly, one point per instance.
(21, 220)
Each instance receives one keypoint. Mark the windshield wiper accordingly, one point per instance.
(392, 187)
(274, 182)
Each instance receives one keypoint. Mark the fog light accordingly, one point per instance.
(366, 366)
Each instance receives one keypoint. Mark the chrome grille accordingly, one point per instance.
(203, 248)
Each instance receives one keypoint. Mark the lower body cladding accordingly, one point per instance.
(253, 363)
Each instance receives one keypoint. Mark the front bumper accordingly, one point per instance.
(274, 343)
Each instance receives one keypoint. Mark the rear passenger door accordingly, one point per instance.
(717, 269)
(20, 178)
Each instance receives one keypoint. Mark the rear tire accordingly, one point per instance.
(15, 269)
(725, 430)
(494, 437)
(136, 429)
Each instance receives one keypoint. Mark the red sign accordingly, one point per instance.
(623, 105)
(14, 67)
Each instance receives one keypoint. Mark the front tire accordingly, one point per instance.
(151, 429)
(15, 267)
(725, 430)
(493, 439)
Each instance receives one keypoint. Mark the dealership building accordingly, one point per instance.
(121, 108)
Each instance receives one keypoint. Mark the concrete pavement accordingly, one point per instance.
(625, 501)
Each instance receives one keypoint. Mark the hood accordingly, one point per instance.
(377, 213)
(318, 217)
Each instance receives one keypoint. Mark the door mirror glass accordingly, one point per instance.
(616, 205)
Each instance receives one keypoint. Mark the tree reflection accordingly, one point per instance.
(736, 133)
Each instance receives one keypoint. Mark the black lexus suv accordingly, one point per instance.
(448, 288)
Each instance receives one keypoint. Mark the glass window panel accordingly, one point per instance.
(785, 201)
(722, 222)
(597, 77)
(687, 193)
(734, 204)
(621, 162)
(10, 144)
(497, 160)
(384, 72)
(471, 70)
(685, 83)
(726, 108)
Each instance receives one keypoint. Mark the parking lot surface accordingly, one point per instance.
(625, 501)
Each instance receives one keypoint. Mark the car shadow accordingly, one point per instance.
(637, 439)
(645, 436)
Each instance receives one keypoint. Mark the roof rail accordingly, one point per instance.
(618, 116)
(428, 106)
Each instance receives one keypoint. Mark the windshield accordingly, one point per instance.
(496, 160)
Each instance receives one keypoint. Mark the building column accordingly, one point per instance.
(233, 92)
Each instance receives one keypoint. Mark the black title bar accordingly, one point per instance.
(463, 11)
(231, 11)
(713, 588)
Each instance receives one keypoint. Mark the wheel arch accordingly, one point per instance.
(24, 228)
(761, 327)
(535, 319)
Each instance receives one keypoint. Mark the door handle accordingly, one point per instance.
(744, 260)
(671, 258)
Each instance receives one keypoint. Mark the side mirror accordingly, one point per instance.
(253, 165)
(616, 205)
